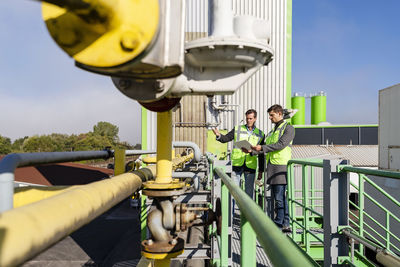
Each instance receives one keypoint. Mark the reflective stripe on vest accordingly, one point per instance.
(238, 156)
(279, 157)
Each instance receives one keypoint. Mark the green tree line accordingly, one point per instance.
(104, 134)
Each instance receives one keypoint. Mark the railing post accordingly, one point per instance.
(248, 244)
(6, 190)
(336, 211)
(225, 213)
(143, 217)
(224, 245)
(305, 200)
(361, 209)
(291, 195)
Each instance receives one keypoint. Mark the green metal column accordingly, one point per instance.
(224, 225)
(248, 244)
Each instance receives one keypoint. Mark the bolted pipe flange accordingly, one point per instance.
(184, 216)
(153, 189)
(163, 193)
(176, 244)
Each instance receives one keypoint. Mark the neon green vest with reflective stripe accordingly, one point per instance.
(279, 157)
(238, 156)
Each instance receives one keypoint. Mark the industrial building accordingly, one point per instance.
(196, 65)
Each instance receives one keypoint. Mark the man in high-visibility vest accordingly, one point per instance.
(243, 163)
(278, 151)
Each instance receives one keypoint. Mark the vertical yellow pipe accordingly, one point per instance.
(162, 263)
(119, 161)
(164, 147)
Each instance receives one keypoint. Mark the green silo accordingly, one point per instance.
(299, 103)
(318, 108)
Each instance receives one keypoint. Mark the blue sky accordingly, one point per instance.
(348, 48)
(41, 91)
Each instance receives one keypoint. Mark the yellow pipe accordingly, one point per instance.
(29, 194)
(179, 161)
(162, 263)
(153, 160)
(119, 161)
(164, 147)
(28, 230)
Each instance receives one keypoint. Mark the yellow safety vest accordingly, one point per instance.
(238, 156)
(279, 157)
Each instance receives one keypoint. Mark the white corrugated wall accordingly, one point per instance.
(267, 87)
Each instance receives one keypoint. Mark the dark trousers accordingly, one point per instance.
(281, 205)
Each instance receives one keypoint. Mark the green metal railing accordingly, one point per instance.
(320, 182)
(309, 219)
(372, 231)
(378, 230)
(255, 224)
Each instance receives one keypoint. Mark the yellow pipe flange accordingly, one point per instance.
(106, 33)
(174, 184)
(161, 256)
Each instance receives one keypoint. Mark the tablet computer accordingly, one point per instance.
(243, 144)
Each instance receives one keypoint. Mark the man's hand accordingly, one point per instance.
(259, 183)
(256, 148)
(246, 150)
(216, 132)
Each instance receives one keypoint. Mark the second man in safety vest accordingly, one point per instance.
(278, 151)
(243, 163)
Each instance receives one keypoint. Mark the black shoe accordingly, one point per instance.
(286, 229)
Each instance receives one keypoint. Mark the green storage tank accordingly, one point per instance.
(299, 103)
(318, 108)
